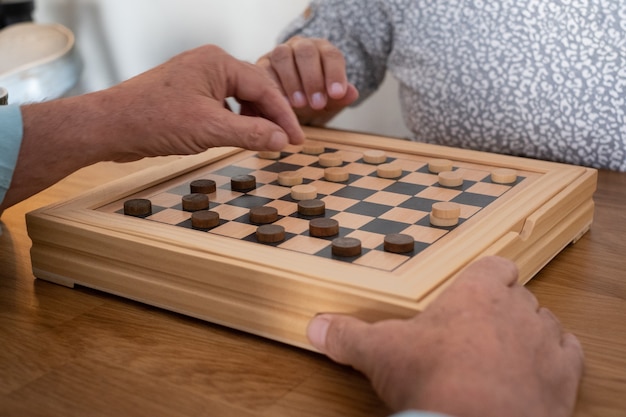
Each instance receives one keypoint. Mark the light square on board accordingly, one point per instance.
(473, 174)
(425, 234)
(170, 216)
(439, 193)
(270, 191)
(368, 240)
(373, 183)
(350, 156)
(404, 215)
(327, 188)
(254, 163)
(360, 169)
(300, 159)
(305, 244)
(264, 177)
(387, 198)
(338, 203)
(485, 188)
(166, 200)
(228, 212)
(351, 220)
(410, 165)
(313, 173)
(294, 224)
(285, 208)
(223, 195)
(468, 211)
(385, 261)
(235, 229)
(420, 178)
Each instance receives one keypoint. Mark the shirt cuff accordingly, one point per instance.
(11, 133)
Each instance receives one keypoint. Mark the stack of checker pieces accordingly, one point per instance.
(338, 204)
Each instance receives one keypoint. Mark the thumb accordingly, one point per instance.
(342, 338)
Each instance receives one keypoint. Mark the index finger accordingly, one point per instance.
(250, 83)
(310, 69)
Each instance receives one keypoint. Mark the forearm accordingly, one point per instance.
(59, 137)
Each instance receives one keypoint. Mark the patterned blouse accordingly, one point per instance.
(538, 78)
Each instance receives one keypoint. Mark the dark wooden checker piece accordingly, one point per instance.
(138, 207)
(399, 243)
(313, 207)
(323, 227)
(263, 215)
(195, 202)
(346, 246)
(270, 233)
(243, 183)
(203, 186)
(205, 219)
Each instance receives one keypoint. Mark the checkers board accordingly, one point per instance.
(366, 206)
(223, 274)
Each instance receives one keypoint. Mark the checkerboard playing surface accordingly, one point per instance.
(366, 206)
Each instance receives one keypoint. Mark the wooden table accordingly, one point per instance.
(66, 352)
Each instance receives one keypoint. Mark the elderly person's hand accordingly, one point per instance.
(312, 75)
(483, 348)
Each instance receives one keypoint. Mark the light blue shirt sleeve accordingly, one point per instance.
(415, 413)
(11, 132)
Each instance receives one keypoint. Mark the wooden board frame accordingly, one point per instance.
(276, 296)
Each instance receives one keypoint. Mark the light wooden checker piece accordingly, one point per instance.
(445, 214)
(290, 178)
(223, 274)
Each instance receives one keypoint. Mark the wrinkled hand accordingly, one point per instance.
(482, 348)
(312, 74)
(179, 107)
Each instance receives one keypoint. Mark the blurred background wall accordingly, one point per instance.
(118, 39)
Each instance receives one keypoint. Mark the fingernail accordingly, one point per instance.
(318, 101)
(277, 141)
(317, 330)
(299, 100)
(336, 90)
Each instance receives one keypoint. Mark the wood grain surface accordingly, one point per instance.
(79, 352)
